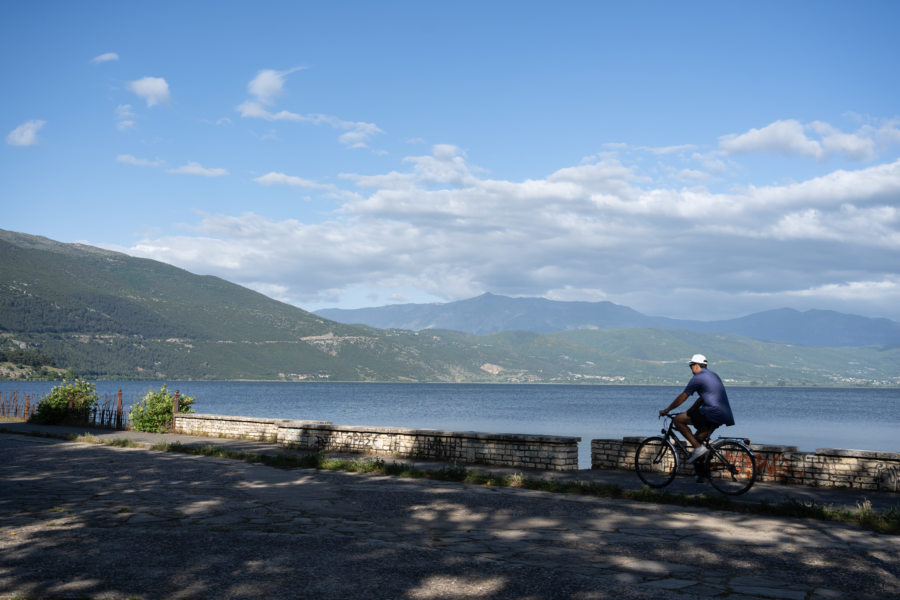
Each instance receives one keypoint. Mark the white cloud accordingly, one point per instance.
(358, 134)
(128, 159)
(664, 150)
(817, 140)
(193, 168)
(780, 137)
(125, 118)
(691, 175)
(855, 146)
(879, 226)
(25, 134)
(269, 84)
(854, 290)
(889, 133)
(274, 178)
(154, 90)
(600, 230)
(107, 57)
(255, 110)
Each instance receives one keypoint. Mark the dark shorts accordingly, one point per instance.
(701, 423)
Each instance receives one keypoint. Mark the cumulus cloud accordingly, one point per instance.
(598, 230)
(193, 168)
(106, 57)
(780, 137)
(25, 134)
(818, 140)
(154, 90)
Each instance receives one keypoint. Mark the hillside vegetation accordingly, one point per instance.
(103, 314)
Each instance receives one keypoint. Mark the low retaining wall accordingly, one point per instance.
(248, 428)
(859, 469)
(556, 453)
(826, 467)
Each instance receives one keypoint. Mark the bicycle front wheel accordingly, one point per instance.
(655, 462)
(732, 468)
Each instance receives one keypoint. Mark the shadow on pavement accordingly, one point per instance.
(83, 520)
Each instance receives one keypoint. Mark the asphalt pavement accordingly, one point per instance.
(81, 520)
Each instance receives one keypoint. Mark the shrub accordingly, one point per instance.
(53, 408)
(154, 412)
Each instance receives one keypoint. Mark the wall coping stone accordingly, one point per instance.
(277, 422)
(478, 435)
(858, 453)
(328, 425)
(774, 448)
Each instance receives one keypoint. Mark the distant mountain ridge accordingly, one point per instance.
(491, 313)
(107, 315)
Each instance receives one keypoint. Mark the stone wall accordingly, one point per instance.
(554, 453)
(860, 469)
(225, 426)
(831, 467)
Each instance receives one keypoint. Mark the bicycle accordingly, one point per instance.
(729, 464)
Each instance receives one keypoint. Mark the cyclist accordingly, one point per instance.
(709, 411)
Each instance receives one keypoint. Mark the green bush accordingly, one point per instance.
(53, 408)
(154, 412)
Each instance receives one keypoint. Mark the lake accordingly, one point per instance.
(810, 418)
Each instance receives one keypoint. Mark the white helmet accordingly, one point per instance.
(698, 359)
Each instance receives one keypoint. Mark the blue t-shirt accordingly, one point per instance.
(711, 390)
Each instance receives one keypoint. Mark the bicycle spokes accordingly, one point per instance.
(732, 468)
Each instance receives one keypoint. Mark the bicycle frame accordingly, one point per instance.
(680, 444)
(729, 464)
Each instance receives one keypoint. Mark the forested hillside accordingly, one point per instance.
(101, 314)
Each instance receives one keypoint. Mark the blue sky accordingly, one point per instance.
(701, 159)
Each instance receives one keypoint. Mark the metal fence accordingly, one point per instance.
(106, 414)
(11, 407)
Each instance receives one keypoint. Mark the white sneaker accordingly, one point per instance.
(698, 452)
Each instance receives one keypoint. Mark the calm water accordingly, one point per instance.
(810, 418)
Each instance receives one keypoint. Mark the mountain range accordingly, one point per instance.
(490, 313)
(104, 314)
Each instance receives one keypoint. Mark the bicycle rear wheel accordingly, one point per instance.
(732, 468)
(655, 462)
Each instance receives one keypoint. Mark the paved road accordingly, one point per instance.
(89, 521)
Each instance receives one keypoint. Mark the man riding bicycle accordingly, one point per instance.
(709, 411)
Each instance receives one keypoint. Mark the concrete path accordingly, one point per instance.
(90, 521)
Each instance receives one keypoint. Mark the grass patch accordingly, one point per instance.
(89, 438)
